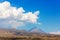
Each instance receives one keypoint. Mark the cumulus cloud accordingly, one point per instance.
(15, 17)
(56, 33)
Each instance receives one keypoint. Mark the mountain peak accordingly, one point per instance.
(36, 30)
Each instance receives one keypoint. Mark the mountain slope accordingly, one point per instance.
(36, 30)
(14, 32)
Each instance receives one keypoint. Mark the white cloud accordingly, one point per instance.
(56, 33)
(15, 24)
(13, 13)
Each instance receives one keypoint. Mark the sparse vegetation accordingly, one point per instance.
(31, 38)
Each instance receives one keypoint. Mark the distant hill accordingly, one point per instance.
(36, 30)
(14, 32)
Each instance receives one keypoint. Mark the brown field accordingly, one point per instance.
(44, 37)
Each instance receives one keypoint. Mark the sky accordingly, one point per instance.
(45, 14)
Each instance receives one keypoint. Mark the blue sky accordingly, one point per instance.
(49, 16)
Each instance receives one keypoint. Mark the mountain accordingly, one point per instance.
(5, 33)
(14, 32)
(36, 30)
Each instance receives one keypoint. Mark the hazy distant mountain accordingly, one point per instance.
(14, 32)
(5, 33)
(36, 30)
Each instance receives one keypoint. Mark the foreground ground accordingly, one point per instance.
(44, 37)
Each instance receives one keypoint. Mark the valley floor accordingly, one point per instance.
(31, 38)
